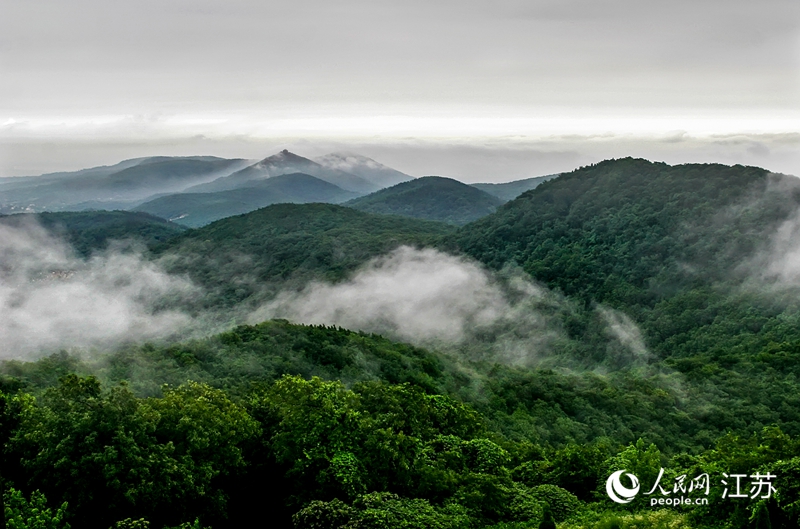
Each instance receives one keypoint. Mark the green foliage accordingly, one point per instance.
(90, 231)
(129, 523)
(109, 453)
(323, 515)
(603, 232)
(247, 355)
(787, 485)
(389, 511)
(648, 519)
(339, 442)
(34, 513)
(548, 522)
(286, 245)
(380, 510)
(561, 503)
(142, 523)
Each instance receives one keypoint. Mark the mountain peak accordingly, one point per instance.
(284, 157)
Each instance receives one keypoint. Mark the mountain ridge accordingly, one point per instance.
(286, 162)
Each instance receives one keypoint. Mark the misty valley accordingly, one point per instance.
(199, 342)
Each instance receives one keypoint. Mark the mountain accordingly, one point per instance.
(286, 162)
(287, 244)
(511, 190)
(113, 187)
(689, 250)
(432, 198)
(198, 209)
(366, 168)
(100, 171)
(88, 231)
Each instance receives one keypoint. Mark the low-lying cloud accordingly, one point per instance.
(427, 297)
(783, 259)
(623, 330)
(418, 295)
(50, 299)
(776, 259)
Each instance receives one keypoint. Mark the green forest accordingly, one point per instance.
(284, 425)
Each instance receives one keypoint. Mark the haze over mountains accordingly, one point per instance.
(114, 187)
(194, 191)
(364, 167)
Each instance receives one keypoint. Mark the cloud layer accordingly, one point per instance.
(49, 299)
(417, 295)
(430, 298)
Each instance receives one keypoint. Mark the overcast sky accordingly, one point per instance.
(472, 89)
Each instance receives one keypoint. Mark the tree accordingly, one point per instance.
(10, 409)
(33, 513)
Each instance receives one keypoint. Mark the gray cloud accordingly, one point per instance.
(90, 82)
(417, 295)
(49, 299)
(782, 260)
(454, 305)
(432, 299)
(92, 57)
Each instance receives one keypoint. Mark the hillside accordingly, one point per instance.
(692, 252)
(257, 353)
(198, 209)
(431, 198)
(511, 190)
(87, 231)
(287, 244)
(407, 419)
(286, 162)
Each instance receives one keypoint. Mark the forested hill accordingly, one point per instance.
(432, 198)
(670, 245)
(288, 244)
(88, 231)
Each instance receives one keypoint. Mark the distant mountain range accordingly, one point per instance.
(286, 162)
(196, 190)
(199, 209)
(118, 186)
